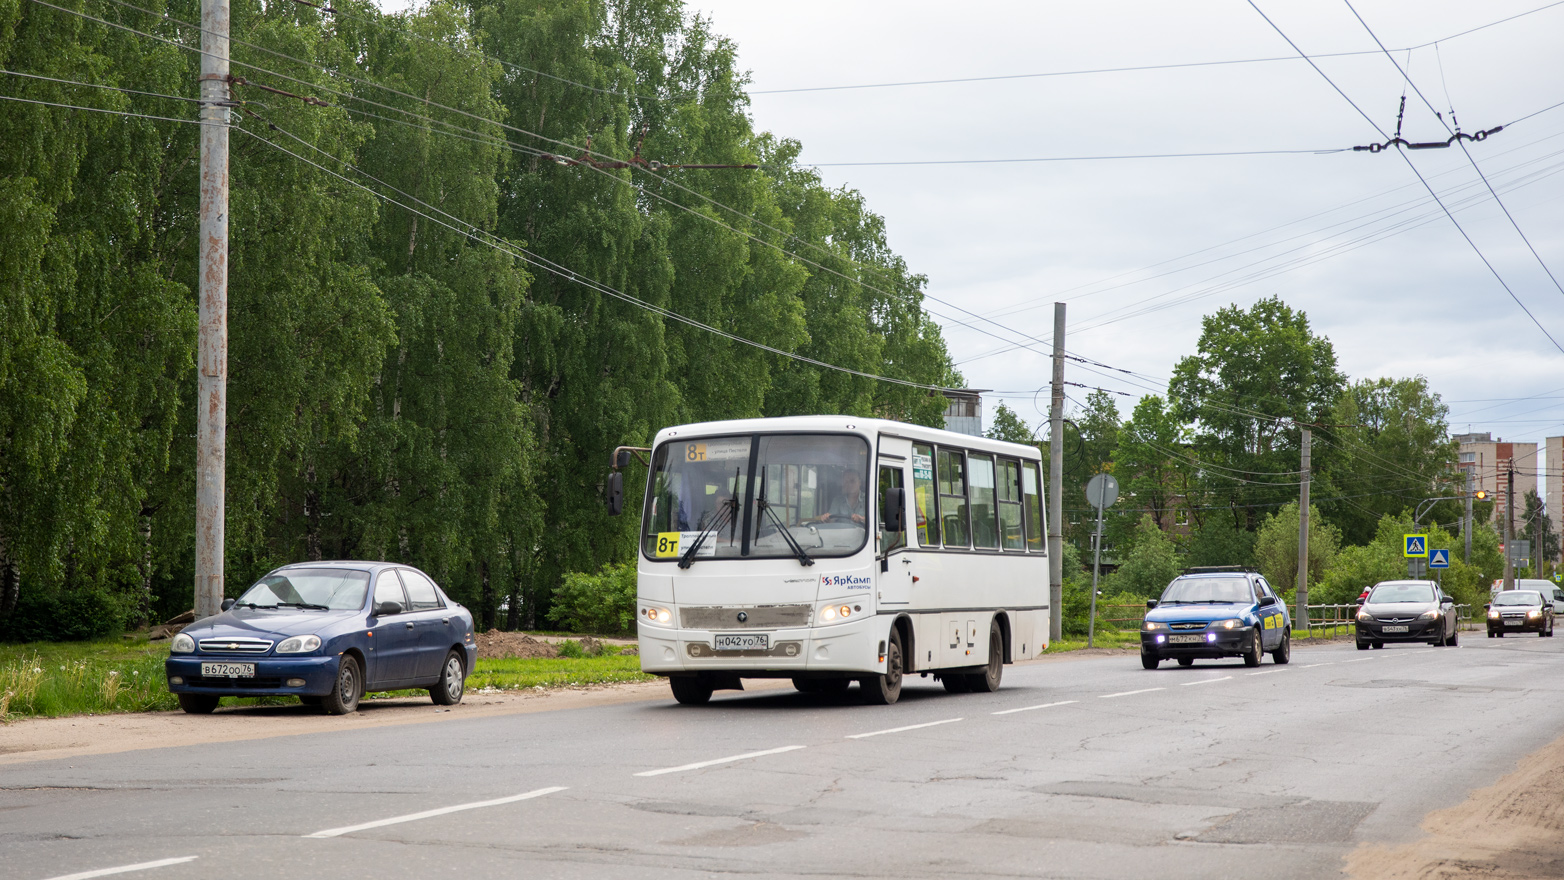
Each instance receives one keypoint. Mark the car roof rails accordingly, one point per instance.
(1218, 569)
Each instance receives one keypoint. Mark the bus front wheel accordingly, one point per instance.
(690, 690)
(883, 690)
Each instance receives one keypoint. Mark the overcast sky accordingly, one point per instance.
(1351, 238)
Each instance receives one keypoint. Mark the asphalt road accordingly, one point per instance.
(1083, 768)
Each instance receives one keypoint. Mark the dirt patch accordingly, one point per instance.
(495, 644)
(1508, 830)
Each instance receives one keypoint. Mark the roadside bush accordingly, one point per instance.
(602, 603)
(75, 616)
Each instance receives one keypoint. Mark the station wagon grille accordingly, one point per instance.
(754, 616)
(235, 646)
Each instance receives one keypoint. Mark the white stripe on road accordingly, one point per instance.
(699, 764)
(1206, 681)
(126, 869)
(1267, 672)
(427, 814)
(1030, 708)
(1312, 665)
(1128, 693)
(900, 729)
(1359, 660)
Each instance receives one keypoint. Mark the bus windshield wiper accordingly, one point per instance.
(798, 550)
(727, 510)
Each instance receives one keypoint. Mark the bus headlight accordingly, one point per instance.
(659, 616)
(836, 612)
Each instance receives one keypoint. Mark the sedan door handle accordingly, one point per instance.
(446, 621)
(409, 624)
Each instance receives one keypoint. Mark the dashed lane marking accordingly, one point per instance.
(125, 869)
(1359, 660)
(1267, 671)
(427, 814)
(900, 729)
(1206, 681)
(1312, 665)
(1128, 693)
(1030, 708)
(715, 761)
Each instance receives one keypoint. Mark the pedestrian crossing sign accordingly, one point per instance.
(1416, 545)
(1439, 559)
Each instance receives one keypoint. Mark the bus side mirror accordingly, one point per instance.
(616, 492)
(894, 514)
(622, 459)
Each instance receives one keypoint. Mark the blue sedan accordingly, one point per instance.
(1213, 614)
(318, 631)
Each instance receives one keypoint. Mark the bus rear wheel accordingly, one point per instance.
(883, 690)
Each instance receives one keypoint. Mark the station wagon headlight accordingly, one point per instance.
(1153, 626)
(660, 616)
(298, 645)
(182, 644)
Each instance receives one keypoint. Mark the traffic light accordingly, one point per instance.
(1480, 494)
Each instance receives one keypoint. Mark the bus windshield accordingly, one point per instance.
(806, 491)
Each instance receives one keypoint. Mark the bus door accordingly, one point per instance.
(894, 586)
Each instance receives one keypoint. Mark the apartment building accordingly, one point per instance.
(1487, 462)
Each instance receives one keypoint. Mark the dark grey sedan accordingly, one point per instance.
(326, 632)
(1517, 611)
(1407, 611)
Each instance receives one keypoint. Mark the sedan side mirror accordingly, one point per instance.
(387, 608)
(1151, 603)
(227, 604)
(1267, 602)
(1447, 601)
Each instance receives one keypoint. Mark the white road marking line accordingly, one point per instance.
(908, 727)
(728, 760)
(1312, 665)
(1267, 672)
(427, 814)
(1030, 708)
(1359, 660)
(1128, 693)
(126, 869)
(1205, 681)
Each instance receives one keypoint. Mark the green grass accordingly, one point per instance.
(52, 679)
(1104, 638)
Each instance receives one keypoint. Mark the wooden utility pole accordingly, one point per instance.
(212, 343)
(1302, 617)
(1509, 526)
(1056, 486)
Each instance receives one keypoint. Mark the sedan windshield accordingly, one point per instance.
(1518, 597)
(1203, 590)
(1385, 593)
(321, 588)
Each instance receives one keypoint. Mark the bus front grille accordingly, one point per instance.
(745, 617)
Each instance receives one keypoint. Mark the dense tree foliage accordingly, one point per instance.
(410, 377)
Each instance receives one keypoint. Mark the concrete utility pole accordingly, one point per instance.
(212, 344)
(1509, 527)
(1056, 486)
(1302, 617)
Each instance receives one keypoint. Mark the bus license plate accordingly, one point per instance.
(1395, 629)
(1185, 640)
(227, 670)
(743, 643)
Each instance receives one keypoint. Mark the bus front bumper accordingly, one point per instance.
(842, 647)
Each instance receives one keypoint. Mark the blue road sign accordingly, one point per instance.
(1415, 545)
(1439, 559)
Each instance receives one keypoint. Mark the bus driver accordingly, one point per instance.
(848, 503)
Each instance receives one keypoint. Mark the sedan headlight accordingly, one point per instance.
(182, 644)
(1230, 623)
(659, 616)
(1153, 626)
(1535, 612)
(1493, 614)
(298, 645)
(1365, 617)
(1427, 616)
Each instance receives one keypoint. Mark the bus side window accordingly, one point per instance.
(1032, 495)
(952, 481)
(923, 505)
(985, 535)
(1010, 535)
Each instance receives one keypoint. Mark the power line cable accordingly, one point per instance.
(100, 110)
(70, 82)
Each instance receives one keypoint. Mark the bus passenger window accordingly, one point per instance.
(1032, 497)
(1010, 535)
(953, 497)
(985, 535)
(923, 495)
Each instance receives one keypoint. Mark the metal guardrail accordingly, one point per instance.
(1321, 617)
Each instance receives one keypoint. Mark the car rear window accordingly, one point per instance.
(420, 590)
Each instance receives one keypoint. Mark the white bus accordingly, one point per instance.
(791, 548)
